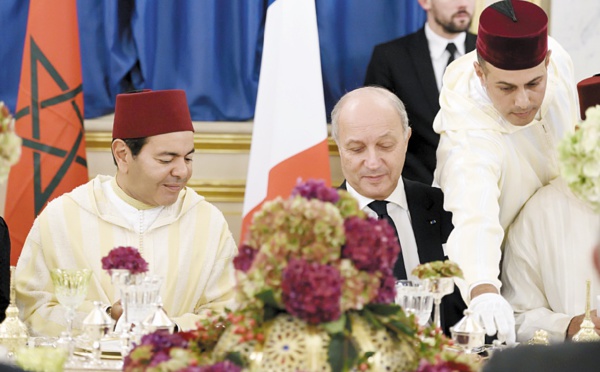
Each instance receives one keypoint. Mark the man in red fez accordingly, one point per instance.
(184, 239)
(548, 247)
(503, 109)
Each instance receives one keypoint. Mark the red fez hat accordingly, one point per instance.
(513, 35)
(149, 113)
(589, 93)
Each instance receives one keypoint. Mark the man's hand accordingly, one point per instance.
(496, 314)
(116, 310)
(575, 324)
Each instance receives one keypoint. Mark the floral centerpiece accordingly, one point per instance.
(316, 288)
(438, 269)
(579, 159)
(125, 258)
(10, 143)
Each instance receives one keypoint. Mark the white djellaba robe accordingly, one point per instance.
(488, 168)
(187, 243)
(547, 260)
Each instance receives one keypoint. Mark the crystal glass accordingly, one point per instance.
(439, 287)
(414, 298)
(140, 299)
(121, 280)
(70, 287)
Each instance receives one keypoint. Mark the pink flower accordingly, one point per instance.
(125, 258)
(316, 189)
(225, 366)
(441, 365)
(243, 261)
(371, 244)
(387, 290)
(312, 291)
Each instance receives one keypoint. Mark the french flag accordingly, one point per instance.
(289, 139)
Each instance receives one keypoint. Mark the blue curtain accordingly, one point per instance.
(209, 48)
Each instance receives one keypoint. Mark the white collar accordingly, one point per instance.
(398, 196)
(437, 43)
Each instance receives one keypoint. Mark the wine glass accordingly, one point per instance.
(414, 298)
(439, 287)
(70, 287)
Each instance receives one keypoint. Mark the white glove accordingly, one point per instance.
(496, 315)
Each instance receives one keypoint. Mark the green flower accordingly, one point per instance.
(579, 159)
(41, 359)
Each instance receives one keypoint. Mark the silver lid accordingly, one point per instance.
(158, 320)
(470, 323)
(468, 333)
(97, 317)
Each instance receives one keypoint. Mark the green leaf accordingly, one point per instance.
(384, 309)
(337, 326)
(236, 358)
(270, 312)
(342, 354)
(398, 327)
(267, 297)
(371, 318)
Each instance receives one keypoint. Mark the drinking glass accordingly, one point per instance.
(414, 298)
(140, 299)
(70, 287)
(439, 287)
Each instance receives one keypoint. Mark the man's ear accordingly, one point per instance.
(480, 73)
(122, 154)
(547, 62)
(425, 4)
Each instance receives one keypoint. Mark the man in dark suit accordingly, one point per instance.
(370, 127)
(412, 68)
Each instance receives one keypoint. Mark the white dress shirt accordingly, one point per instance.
(439, 54)
(397, 209)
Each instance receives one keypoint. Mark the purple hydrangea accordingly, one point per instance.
(125, 258)
(163, 340)
(387, 290)
(443, 366)
(371, 244)
(225, 366)
(243, 261)
(312, 291)
(316, 189)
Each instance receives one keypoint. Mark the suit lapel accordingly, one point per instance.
(421, 59)
(470, 41)
(425, 223)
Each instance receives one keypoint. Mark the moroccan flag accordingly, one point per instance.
(49, 118)
(289, 138)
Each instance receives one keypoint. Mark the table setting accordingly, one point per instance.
(100, 344)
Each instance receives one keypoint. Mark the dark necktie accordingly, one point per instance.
(380, 207)
(451, 48)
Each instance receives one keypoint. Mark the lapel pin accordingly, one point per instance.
(432, 222)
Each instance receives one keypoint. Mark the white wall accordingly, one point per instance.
(576, 26)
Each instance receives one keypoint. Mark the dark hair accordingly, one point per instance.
(134, 144)
(482, 62)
